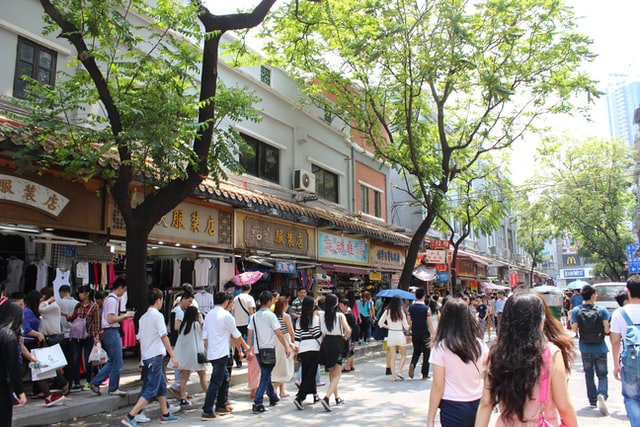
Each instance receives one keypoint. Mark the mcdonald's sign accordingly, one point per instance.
(571, 259)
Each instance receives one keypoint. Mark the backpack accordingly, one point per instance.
(78, 328)
(631, 347)
(590, 325)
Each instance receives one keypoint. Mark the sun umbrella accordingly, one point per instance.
(390, 293)
(577, 284)
(247, 278)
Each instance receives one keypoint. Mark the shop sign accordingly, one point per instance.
(513, 279)
(375, 276)
(442, 277)
(577, 273)
(34, 195)
(442, 267)
(481, 270)
(439, 244)
(435, 257)
(466, 268)
(569, 260)
(267, 235)
(385, 256)
(344, 249)
(194, 223)
(285, 267)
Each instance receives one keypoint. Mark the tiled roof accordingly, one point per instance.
(267, 204)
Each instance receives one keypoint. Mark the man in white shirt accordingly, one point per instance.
(244, 306)
(266, 327)
(630, 384)
(219, 326)
(111, 340)
(154, 345)
(67, 304)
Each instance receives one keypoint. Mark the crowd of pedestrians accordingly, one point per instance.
(523, 376)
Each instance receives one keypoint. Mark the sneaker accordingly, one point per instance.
(224, 411)
(175, 393)
(141, 418)
(411, 370)
(95, 388)
(321, 383)
(325, 404)
(76, 387)
(53, 400)
(174, 408)
(339, 401)
(169, 418)
(207, 417)
(259, 409)
(86, 386)
(274, 402)
(602, 406)
(129, 423)
(184, 403)
(298, 404)
(117, 392)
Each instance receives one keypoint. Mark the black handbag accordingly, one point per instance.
(202, 357)
(266, 356)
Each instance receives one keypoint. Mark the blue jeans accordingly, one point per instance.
(112, 344)
(265, 384)
(218, 385)
(595, 362)
(155, 384)
(82, 349)
(631, 397)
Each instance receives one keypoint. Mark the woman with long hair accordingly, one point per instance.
(458, 354)
(284, 369)
(335, 330)
(10, 372)
(557, 334)
(188, 345)
(521, 361)
(394, 319)
(90, 311)
(307, 342)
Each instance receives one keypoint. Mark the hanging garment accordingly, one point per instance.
(62, 278)
(201, 267)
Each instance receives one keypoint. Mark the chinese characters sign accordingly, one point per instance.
(438, 244)
(285, 267)
(387, 257)
(267, 235)
(435, 257)
(195, 222)
(340, 248)
(29, 193)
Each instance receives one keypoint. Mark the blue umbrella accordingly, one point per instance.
(577, 284)
(390, 293)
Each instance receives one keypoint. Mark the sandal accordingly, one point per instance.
(399, 377)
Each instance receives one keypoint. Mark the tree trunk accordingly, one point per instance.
(137, 288)
(415, 246)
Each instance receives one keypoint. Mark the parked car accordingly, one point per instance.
(606, 293)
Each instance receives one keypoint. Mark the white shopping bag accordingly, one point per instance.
(50, 358)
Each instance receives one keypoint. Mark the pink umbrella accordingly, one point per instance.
(247, 278)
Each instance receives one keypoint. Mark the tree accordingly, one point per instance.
(587, 192)
(534, 228)
(477, 202)
(155, 123)
(433, 85)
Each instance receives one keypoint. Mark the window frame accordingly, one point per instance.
(322, 175)
(260, 154)
(19, 85)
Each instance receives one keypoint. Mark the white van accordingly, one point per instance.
(606, 293)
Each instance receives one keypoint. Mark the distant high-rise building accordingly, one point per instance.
(623, 98)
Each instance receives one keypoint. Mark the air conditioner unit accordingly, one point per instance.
(492, 250)
(303, 180)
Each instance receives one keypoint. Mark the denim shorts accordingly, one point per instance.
(155, 383)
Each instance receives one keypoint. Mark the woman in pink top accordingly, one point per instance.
(458, 354)
(521, 357)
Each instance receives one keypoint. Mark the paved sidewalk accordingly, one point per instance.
(86, 403)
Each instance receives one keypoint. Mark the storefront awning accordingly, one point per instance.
(475, 257)
(341, 268)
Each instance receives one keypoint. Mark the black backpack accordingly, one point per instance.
(590, 325)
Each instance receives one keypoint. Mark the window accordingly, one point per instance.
(326, 183)
(364, 199)
(262, 160)
(265, 75)
(377, 204)
(33, 61)
(328, 114)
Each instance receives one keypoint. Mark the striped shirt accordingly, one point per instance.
(308, 339)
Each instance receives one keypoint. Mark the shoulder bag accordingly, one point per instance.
(266, 356)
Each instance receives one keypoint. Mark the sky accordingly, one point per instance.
(613, 26)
